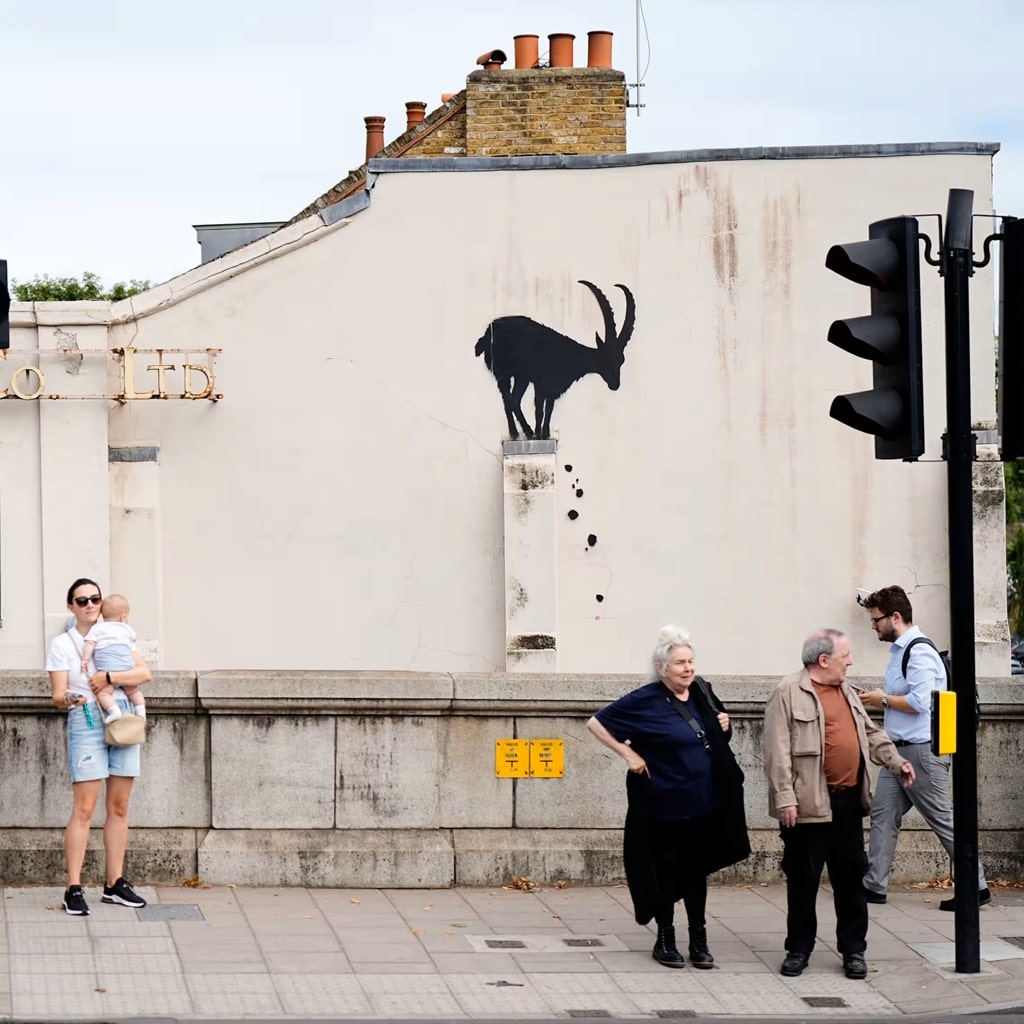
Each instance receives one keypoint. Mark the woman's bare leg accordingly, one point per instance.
(115, 831)
(76, 835)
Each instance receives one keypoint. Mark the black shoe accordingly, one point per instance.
(875, 897)
(122, 892)
(665, 951)
(700, 955)
(74, 901)
(984, 899)
(794, 964)
(854, 966)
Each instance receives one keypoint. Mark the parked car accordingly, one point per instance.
(1016, 666)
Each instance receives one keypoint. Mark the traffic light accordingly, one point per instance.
(5, 308)
(893, 410)
(1011, 340)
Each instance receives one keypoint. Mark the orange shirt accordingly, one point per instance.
(842, 748)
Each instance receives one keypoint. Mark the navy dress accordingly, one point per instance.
(687, 819)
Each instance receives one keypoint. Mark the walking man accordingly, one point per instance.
(906, 701)
(817, 741)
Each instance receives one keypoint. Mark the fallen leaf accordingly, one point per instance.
(99, 990)
(428, 908)
(354, 900)
(417, 931)
(561, 884)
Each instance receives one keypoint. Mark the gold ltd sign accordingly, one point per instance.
(190, 376)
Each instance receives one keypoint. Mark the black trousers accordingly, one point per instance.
(839, 845)
(675, 866)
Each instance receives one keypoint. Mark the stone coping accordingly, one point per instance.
(290, 692)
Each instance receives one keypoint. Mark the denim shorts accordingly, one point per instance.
(89, 757)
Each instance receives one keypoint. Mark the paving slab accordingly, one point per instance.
(478, 954)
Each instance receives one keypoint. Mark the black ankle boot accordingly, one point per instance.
(700, 955)
(665, 951)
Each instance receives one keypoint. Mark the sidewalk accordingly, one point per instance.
(475, 953)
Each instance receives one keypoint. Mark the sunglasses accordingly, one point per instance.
(91, 599)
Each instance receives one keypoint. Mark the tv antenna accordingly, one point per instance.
(641, 20)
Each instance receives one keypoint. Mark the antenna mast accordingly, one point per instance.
(638, 85)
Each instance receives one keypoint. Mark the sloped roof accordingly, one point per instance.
(407, 141)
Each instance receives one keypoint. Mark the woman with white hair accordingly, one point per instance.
(685, 816)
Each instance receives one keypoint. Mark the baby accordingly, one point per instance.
(110, 644)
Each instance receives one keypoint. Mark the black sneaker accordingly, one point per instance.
(874, 897)
(122, 892)
(74, 901)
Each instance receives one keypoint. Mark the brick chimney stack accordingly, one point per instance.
(561, 109)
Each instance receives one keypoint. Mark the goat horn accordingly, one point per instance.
(630, 318)
(606, 311)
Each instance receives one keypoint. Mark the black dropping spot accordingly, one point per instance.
(568, 468)
(591, 539)
(579, 492)
(573, 514)
(600, 597)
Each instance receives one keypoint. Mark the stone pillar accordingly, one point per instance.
(74, 489)
(531, 585)
(991, 628)
(136, 563)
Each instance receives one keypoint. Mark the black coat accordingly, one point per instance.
(724, 839)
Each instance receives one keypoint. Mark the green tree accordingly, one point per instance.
(1014, 474)
(72, 289)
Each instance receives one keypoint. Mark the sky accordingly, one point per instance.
(128, 122)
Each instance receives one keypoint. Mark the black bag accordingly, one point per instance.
(946, 664)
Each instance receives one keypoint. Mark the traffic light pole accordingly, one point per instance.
(957, 268)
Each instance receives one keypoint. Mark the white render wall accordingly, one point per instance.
(342, 507)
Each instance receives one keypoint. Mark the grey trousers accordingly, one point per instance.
(930, 794)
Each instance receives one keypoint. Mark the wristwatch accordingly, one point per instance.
(885, 702)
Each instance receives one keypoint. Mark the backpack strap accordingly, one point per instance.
(913, 643)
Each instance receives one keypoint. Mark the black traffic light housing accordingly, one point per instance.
(893, 410)
(1011, 340)
(5, 308)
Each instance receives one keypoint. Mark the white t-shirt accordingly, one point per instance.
(105, 634)
(66, 656)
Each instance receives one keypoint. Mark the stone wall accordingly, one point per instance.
(388, 779)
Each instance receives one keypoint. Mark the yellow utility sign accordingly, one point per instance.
(533, 759)
(512, 759)
(547, 759)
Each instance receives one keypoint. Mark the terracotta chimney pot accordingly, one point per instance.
(447, 96)
(599, 49)
(492, 59)
(415, 111)
(374, 135)
(527, 50)
(560, 49)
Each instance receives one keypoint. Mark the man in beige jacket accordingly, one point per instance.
(817, 741)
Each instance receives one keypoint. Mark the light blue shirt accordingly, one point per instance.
(925, 673)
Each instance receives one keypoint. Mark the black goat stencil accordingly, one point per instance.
(520, 352)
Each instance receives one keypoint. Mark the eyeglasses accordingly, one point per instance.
(91, 599)
(880, 618)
